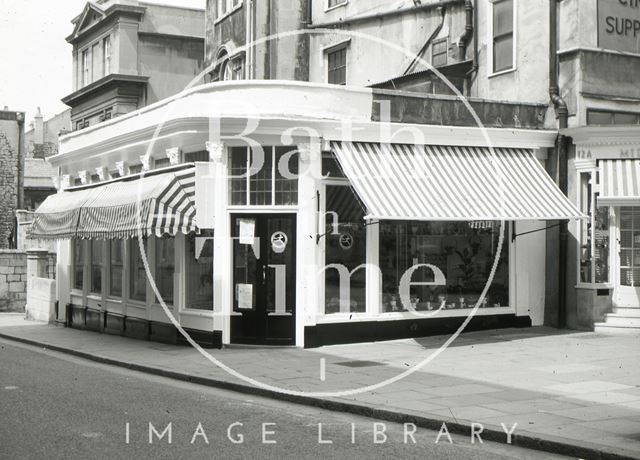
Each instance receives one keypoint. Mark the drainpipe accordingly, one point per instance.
(463, 41)
(562, 113)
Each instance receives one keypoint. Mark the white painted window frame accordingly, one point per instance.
(490, 56)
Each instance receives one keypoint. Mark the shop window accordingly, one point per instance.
(137, 273)
(274, 183)
(345, 245)
(463, 251)
(503, 35)
(594, 234)
(165, 267)
(200, 271)
(116, 267)
(337, 65)
(97, 262)
(78, 263)
(330, 166)
(630, 246)
(135, 169)
(439, 52)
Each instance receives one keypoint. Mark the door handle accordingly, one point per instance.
(264, 273)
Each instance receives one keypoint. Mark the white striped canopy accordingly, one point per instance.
(156, 204)
(443, 183)
(619, 183)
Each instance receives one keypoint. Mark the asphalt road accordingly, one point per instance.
(56, 406)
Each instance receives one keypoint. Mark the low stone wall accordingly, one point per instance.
(13, 279)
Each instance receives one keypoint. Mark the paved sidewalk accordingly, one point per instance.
(571, 393)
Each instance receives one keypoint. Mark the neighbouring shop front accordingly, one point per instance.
(328, 241)
(607, 187)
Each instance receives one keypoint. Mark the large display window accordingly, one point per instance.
(345, 252)
(463, 252)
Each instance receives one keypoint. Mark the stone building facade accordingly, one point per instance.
(11, 174)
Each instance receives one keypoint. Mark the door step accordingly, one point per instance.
(607, 328)
(633, 312)
(616, 319)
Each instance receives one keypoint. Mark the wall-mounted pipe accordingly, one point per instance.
(562, 113)
(467, 35)
(385, 14)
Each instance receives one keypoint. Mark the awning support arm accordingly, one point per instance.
(514, 235)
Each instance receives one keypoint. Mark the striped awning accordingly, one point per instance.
(440, 183)
(156, 204)
(619, 183)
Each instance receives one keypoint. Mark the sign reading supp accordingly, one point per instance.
(619, 25)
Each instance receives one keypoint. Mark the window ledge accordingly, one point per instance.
(198, 313)
(502, 72)
(403, 315)
(593, 286)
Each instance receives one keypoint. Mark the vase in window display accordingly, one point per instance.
(394, 304)
(441, 300)
(414, 303)
(462, 304)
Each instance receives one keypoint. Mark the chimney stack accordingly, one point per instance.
(38, 128)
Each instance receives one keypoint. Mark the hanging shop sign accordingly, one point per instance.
(619, 25)
(279, 242)
(346, 241)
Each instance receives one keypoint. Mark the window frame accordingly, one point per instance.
(91, 267)
(74, 287)
(106, 55)
(612, 114)
(109, 292)
(491, 40)
(185, 305)
(592, 171)
(329, 7)
(271, 151)
(337, 47)
(225, 8)
(85, 59)
(440, 41)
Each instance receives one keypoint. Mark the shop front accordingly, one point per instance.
(297, 237)
(607, 178)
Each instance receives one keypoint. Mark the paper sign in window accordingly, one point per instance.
(244, 294)
(247, 231)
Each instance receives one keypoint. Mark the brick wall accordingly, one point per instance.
(13, 279)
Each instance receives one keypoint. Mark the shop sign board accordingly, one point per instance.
(619, 25)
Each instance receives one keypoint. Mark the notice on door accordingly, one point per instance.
(619, 25)
(244, 294)
(247, 231)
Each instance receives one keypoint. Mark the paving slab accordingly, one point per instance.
(561, 387)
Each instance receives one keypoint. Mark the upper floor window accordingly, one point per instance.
(226, 6)
(337, 65)
(86, 67)
(106, 55)
(502, 35)
(439, 52)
